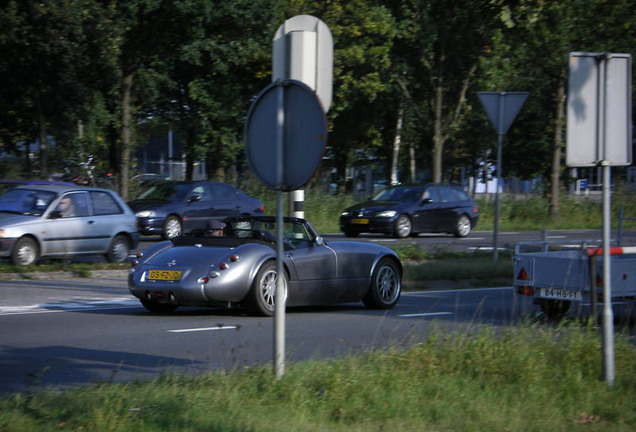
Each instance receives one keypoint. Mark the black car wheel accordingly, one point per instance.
(463, 226)
(119, 249)
(403, 226)
(386, 286)
(171, 227)
(263, 293)
(25, 252)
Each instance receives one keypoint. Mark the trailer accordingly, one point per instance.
(556, 279)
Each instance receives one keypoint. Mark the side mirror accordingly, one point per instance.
(320, 241)
(194, 198)
(55, 214)
(426, 201)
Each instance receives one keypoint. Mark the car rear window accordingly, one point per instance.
(105, 204)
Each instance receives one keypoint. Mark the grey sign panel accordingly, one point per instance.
(502, 107)
(599, 109)
(286, 122)
(303, 51)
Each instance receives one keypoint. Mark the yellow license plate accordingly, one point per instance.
(360, 221)
(165, 275)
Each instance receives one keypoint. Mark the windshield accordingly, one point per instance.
(166, 191)
(295, 233)
(26, 201)
(402, 194)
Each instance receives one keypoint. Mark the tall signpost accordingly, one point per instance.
(599, 133)
(303, 51)
(502, 108)
(286, 131)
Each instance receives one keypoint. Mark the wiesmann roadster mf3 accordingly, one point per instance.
(236, 267)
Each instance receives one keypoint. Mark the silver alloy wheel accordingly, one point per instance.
(463, 226)
(267, 288)
(388, 284)
(172, 227)
(119, 250)
(26, 253)
(403, 226)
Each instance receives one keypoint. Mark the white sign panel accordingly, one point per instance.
(599, 109)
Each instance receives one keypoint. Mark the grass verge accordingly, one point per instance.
(528, 378)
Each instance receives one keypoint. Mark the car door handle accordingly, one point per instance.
(90, 222)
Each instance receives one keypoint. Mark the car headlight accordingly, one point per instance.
(387, 213)
(146, 213)
(345, 213)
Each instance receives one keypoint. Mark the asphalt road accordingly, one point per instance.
(71, 332)
(76, 331)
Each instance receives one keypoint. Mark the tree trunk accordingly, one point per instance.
(412, 161)
(44, 142)
(126, 119)
(396, 146)
(438, 139)
(556, 156)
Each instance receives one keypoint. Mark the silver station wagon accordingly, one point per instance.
(65, 221)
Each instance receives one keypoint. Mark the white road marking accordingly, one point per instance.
(220, 327)
(70, 306)
(418, 315)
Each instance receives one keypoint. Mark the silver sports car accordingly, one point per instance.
(236, 266)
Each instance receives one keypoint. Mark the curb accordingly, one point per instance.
(94, 274)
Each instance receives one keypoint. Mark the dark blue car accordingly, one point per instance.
(173, 207)
(403, 211)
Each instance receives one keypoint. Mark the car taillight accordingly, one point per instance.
(133, 263)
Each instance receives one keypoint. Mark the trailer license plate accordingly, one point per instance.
(165, 275)
(560, 294)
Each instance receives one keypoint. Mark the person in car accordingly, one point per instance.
(66, 207)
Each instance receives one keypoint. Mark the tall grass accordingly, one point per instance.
(523, 212)
(529, 378)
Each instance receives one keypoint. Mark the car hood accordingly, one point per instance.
(138, 205)
(374, 206)
(11, 219)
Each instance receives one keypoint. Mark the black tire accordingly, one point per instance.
(555, 309)
(156, 307)
(403, 226)
(172, 227)
(386, 285)
(463, 226)
(261, 298)
(119, 249)
(25, 252)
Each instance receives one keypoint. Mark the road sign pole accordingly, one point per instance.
(608, 314)
(501, 116)
(281, 295)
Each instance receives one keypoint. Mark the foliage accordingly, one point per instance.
(471, 380)
(99, 77)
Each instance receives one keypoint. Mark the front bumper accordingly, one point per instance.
(150, 226)
(375, 225)
(6, 246)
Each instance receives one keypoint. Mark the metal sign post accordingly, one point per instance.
(285, 138)
(502, 108)
(599, 133)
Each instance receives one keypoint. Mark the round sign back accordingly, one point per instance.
(285, 135)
